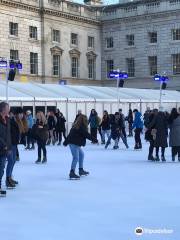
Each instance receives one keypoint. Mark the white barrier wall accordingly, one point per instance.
(69, 109)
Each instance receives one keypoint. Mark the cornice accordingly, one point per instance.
(47, 11)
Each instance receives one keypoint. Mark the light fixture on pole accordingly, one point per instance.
(163, 84)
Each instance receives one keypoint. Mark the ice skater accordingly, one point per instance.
(76, 139)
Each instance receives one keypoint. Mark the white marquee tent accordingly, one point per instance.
(70, 98)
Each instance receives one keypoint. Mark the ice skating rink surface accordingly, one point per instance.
(123, 191)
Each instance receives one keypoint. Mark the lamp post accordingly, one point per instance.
(162, 79)
(10, 67)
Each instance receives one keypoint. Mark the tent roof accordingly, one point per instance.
(50, 92)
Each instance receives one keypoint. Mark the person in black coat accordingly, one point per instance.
(51, 121)
(149, 135)
(5, 140)
(105, 127)
(15, 139)
(160, 132)
(76, 139)
(60, 127)
(130, 122)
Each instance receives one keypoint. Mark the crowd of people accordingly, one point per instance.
(18, 127)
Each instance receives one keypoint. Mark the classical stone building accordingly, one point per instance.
(80, 43)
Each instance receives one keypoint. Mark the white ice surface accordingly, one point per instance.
(123, 191)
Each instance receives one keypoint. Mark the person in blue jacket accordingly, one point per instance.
(138, 127)
(30, 122)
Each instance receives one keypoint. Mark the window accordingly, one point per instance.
(153, 37)
(74, 67)
(13, 29)
(90, 42)
(176, 34)
(74, 39)
(109, 66)
(130, 66)
(109, 42)
(33, 32)
(91, 68)
(56, 36)
(56, 65)
(14, 54)
(152, 65)
(130, 40)
(33, 63)
(176, 63)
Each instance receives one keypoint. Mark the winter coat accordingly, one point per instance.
(15, 133)
(30, 121)
(160, 124)
(116, 128)
(105, 124)
(138, 121)
(5, 136)
(51, 123)
(148, 133)
(93, 121)
(60, 126)
(40, 131)
(174, 135)
(130, 118)
(77, 137)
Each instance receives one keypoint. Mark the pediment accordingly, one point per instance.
(56, 50)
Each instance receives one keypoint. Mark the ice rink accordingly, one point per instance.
(123, 191)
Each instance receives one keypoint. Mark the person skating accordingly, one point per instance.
(138, 126)
(76, 140)
(160, 124)
(51, 122)
(5, 140)
(130, 122)
(105, 126)
(60, 127)
(150, 134)
(30, 123)
(174, 135)
(94, 124)
(11, 157)
(40, 133)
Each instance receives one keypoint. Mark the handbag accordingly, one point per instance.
(153, 133)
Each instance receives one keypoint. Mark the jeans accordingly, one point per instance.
(59, 135)
(41, 146)
(105, 132)
(138, 137)
(11, 158)
(94, 133)
(78, 156)
(151, 148)
(30, 140)
(2, 166)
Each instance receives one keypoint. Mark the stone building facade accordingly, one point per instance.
(62, 40)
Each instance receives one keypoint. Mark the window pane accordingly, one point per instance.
(33, 32)
(90, 42)
(109, 42)
(91, 68)
(130, 40)
(130, 66)
(153, 37)
(14, 54)
(74, 67)
(74, 39)
(33, 63)
(56, 65)
(152, 65)
(176, 34)
(109, 66)
(13, 29)
(176, 63)
(56, 35)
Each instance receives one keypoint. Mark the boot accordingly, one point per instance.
(53, 142)
(48, 142)
(27, 148)
(82, 172)
(151, 158)
(9, 183)
(157, 159)
(44, 160)
(115, 147)
(73, 176)
(38, 160)
(14, 181)
(17, 158)
(136, 147)
(179, 159)
(173, 158)
(59, 144)
(163, 159)
(103, 142)
(32, 148)
(2, 193)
